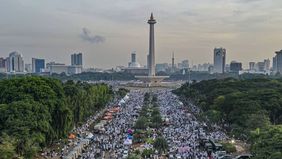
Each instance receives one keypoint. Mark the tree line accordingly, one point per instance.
(147, 125)
(249, 109)
(36, 111)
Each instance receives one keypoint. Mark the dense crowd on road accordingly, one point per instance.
(110, 142)
(184, 130)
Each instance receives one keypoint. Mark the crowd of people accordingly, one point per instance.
(110, 143)
(184, 130)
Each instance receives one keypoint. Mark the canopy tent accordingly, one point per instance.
(107, 117)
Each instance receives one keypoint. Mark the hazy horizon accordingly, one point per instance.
(106, 32)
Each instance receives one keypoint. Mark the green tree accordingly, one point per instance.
(147, 153)
(161, 145)
(267, 143)
(156, 121)
(36, 111)
(141, 123)
(7, 148)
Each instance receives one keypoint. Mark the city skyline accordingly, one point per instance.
(249, 30)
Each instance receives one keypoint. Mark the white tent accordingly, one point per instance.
(90, 136)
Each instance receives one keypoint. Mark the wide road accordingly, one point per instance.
(110, 143)
(182, 133)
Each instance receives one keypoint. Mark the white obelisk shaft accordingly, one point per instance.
(152, 68)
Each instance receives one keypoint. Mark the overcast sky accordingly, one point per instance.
(107, 31)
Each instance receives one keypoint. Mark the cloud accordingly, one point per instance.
(88, 37)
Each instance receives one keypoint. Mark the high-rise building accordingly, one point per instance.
(274, 64)
(260, 66)
(279, 61)
(133, 57)
(3, 67)
(266, 64)
(16, 62)
(38, 65)
(252, 66)
(7, 64)
(133, 63)
(219, 60)
(76, 59)
(2, 62)
(235, 67)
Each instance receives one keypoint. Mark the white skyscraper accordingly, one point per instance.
(219, 60)
(16, 62)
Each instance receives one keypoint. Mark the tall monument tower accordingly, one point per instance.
(152, 69)
(151, 80)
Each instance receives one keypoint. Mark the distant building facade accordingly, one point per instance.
(74, 70)
(136, 71)
(252, 66)
(274, 64)
(266, 64)
(219, 60)
(279, 61)
(38, 65)
(57, 68)
(28, 68)
(260, 66)
(76, 59)
(133, 63)
(235, 67)
(162, 67)
(16, 62)
(3, 65)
